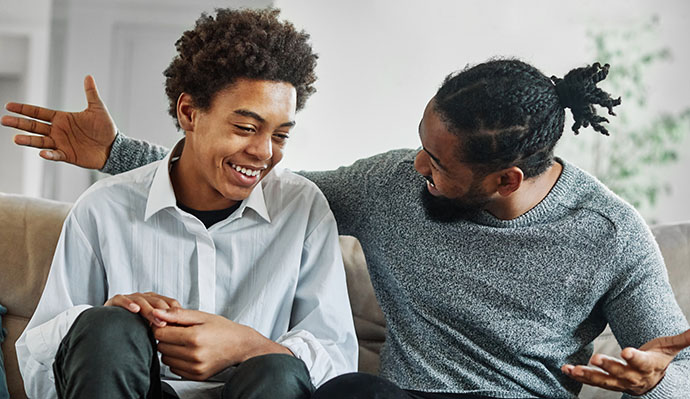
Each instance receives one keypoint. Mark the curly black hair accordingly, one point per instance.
(236, 44)
(508, 113)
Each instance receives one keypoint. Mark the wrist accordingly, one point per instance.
(259, 345)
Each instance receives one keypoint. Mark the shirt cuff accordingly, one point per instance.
(308, 349)
(43, 341)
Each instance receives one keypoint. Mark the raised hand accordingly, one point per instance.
(144, 304)
(639, 371)
(80, 138)
(197, 345)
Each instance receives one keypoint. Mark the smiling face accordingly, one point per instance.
(452, 186)
(233, 144)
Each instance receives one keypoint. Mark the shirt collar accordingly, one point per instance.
(162, 194)
(257, 202)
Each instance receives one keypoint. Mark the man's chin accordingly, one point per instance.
(445, 210)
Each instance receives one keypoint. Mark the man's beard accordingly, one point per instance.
(446, 210)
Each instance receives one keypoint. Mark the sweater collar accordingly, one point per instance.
(549, 209)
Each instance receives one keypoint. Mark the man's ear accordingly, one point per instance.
(186, 112)
(509, 180)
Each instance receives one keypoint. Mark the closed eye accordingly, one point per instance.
(247, 129)
(280, 138)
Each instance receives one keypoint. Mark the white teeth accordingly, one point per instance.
(245, 171)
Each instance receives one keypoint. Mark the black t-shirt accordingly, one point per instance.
(209, 218)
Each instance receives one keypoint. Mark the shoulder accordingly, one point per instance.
(388, 161)
(115, 194)
(282, 187)
(597, 204)
(293, 197)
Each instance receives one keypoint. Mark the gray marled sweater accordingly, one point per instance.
(492, 306)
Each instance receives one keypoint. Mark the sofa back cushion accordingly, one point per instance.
(29, 233)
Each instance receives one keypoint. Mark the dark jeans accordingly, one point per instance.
(110, 352)
(368, 386)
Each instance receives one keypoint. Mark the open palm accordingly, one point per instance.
(80, 138)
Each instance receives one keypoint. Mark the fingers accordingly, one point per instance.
(184, 369)
(188, 368)
(35, 141)
(178, 315)
(32, 111)
(144, 304)
(629, 375)
(92, 97)
(28, 125)
(123, 301)
(54, 155)
(610, 364)
(591, 376)
(176, 351)
(174, 335)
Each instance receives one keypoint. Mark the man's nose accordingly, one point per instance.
(261, 147)
(421, 163)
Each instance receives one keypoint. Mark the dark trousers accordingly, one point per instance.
(368, 386)
(110, 352)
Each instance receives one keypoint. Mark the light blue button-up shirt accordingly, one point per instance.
(274, 265)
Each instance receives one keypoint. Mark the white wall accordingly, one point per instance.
(24, 35)
(382, 60)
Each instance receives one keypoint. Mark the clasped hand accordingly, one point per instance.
(195, 345)
(638, 372)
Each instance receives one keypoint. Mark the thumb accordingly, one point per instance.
(185, 317)
(92, 97)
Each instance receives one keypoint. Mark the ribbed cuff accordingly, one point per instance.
(112, 166)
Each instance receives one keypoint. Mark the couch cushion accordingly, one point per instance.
(674, 242)
(369, 321)
(30, 230)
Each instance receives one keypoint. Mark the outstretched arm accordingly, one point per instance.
(88, 138)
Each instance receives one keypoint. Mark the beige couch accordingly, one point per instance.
(30, 230)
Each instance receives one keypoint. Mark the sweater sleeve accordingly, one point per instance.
(128, 153)
(351, 190)
(641, 305)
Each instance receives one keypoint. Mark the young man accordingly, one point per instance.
(226, 267)
(495, 263)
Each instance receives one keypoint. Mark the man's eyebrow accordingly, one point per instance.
(259, 118)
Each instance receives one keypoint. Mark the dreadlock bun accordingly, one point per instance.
(578, 91)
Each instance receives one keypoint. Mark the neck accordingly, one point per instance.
(529, 195)
(191, 187)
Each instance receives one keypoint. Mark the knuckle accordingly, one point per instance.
(197, 369)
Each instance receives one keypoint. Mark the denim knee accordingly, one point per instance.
(269, 376)
(359, 386)
(108, 352)
(111, 327)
